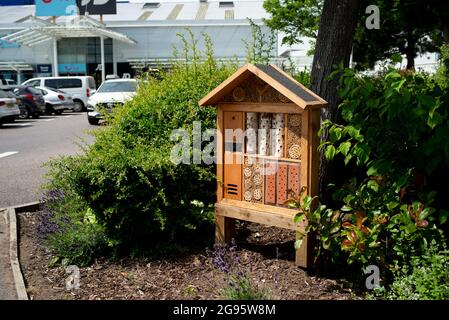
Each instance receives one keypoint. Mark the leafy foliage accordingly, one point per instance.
(401, 30)
(297, 18)
(394, 203)
(427, 278)
(141, 198)
(70, 229)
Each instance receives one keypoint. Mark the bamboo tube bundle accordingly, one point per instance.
(277, 135)
(252, 124)
(264, 134)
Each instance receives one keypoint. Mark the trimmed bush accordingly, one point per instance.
(137, 194)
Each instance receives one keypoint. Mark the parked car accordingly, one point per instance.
(81, 88)
(56, 101)
(10, 93)
(110, 94)
(33, 101)
(7, 82)
(9, 109)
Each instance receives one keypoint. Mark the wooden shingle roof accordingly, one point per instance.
(273, 76)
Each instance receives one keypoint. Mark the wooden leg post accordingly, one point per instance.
(304, 255)
(224, 229)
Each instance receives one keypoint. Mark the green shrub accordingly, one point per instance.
(67, 225)
(142, 200)
(427, 278)
(394, 144)
(78, 242)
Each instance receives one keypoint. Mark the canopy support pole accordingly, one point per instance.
(103, 68)
(55, 58)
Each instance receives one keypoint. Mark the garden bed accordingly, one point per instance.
(265, 251)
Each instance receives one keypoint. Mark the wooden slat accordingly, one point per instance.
(285, 155)
(302, 256)
(272, 158)
(314, 156)
(259, 207)
(220, 151)
(262, 107)
(274, 218)
(305, 151)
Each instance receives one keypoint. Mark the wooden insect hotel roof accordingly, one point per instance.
(292, 90)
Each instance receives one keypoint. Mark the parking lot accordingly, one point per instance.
(26, 145)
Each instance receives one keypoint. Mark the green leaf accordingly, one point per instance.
(348, 158)
(398, 85)
(344, 148)
(444, 214)
(346, 208)
(391, 205)
(410, 227)
(336, 227)
(373, 185)
(362, 153)
(326, 244)
(299, 217)
(298, 244)
(372, 171)
(425, 213)
(335, 134)
(330, 153)
(291, 203)
(355, 134)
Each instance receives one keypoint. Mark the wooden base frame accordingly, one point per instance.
(226, 214)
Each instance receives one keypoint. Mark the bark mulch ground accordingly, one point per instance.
(266, 251)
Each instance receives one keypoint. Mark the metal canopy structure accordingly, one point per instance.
(15, 66)
(74, 27)
(77, 27)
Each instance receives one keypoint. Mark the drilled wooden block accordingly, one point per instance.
(252, 182)
(282, 183)
(270, 183)
(294, 136)
(293, 179)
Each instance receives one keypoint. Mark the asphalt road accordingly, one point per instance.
(27, 144)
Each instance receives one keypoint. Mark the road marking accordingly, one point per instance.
(46, 120)
(65, 116)
(17, 124)
(9, 153)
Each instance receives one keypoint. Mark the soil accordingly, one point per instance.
(266, 252)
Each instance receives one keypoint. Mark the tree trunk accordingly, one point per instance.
(446, 33)
(410, 53)
(333, 47)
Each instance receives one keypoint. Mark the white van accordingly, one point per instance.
(81, 88)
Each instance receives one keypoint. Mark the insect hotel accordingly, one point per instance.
(267, 140)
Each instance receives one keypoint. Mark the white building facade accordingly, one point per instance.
(140, 35)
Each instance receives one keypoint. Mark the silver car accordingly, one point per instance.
(9, 110)
(56, 101)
